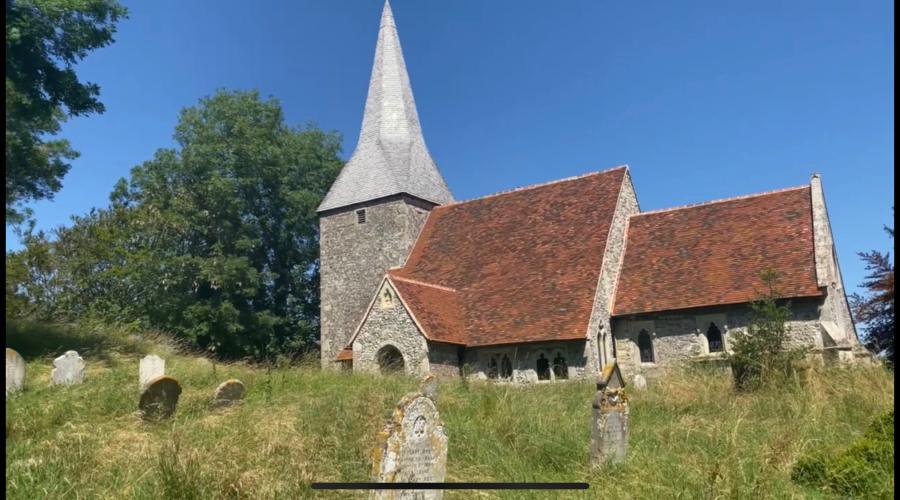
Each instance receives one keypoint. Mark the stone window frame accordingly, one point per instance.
(635, 329)
(403, 369)
(386, 299)
(703, 321)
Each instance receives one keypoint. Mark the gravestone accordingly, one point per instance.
(413, 447)
(159, 398)
(640, 383)
(609, 435)
(151, 367)
(15, 371)
(68, 369)
(229, 392)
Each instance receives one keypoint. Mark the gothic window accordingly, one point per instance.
(361, 216)
(543, 368)
(645, 344)
(387, 298)
(714, 338)
(492, 367)
(505, 367)
(560, 368)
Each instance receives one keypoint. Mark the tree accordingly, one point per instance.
(215, 241)
(876, 309)
(44, 40)
(762, 353)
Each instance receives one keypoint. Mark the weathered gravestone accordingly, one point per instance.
(413, 447)
(15, 371)
(159, 398)
(229, 392)
(68, 369)
(609, 435)
(640, 383)
(151, 367)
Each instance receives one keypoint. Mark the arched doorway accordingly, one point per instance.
(390, 360)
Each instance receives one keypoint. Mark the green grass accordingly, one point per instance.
(691, 435)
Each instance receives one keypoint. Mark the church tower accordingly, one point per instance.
(373, 212)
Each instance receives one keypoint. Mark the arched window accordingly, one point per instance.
(492, 367)
(505, 367)
(543, 368)
(389, 359)
(560, 368)
(714, 338)
(645, 344)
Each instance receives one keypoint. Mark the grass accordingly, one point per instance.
(691, 435)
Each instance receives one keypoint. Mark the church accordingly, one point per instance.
(553, 281)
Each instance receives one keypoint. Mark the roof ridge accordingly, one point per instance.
(533, 186)
(417, 282)
(720, 200)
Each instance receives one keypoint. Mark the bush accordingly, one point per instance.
(866, 466)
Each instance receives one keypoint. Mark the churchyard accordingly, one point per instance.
(690, 435)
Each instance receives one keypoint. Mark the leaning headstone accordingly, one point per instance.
(68, 369)
(159, 398)
(15, 371)
(640, 383)
(413, 447)
(229, 392)
(609, 435)
(152, 366)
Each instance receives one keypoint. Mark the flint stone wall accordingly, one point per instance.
(524, 359)
(354, 258)
(681, 336)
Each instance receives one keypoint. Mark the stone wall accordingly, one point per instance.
(681, 335)
(444, 359)
(524, 359)
(354, 258)
(599, 346)
(389, 324)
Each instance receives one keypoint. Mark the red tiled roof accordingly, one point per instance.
(345, 354)
(436, 309)
(523, 265)
(714, 253)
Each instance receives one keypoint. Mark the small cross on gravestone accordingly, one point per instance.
(15, 371)
(609, 435)
(159, 399)
(68, 369)
(151, 367)
(413, 447)
(229, 392)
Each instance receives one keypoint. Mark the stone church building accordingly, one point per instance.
(551, 281)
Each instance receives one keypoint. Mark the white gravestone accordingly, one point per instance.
(412, 448)
(640, 383)
(68, 369)
(15, 371)
(152, 366)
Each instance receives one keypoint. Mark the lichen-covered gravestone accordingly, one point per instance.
(159, 398)
(15, 371)
(229, 392)
(609, 435)
(413, 447)
(151, 367)
(68, 369)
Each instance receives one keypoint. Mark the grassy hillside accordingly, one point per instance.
(691, 436)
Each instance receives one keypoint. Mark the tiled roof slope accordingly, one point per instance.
(714, 253)
(524, 264)
(436, 309)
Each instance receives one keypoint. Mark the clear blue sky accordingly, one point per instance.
(703, 100)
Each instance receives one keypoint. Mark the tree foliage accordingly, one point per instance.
(44, 40)
(762, 353)
(875, 309)
(215, 241)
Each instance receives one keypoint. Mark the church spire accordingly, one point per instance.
(391, 156)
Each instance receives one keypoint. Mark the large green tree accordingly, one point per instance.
(215, 241)
(44, 40)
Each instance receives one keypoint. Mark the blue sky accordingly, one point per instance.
(703, 100)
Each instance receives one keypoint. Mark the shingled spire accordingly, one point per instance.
(391, 156)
